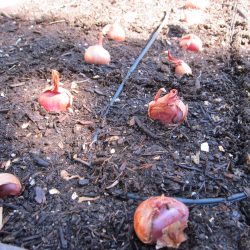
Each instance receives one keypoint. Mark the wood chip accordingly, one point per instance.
(85, 198)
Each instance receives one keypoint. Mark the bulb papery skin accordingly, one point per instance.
(191, 42)
(161, 220)
(9, 185)
(96, 54)
(169, 109)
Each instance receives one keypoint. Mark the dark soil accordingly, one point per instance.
(36, 146)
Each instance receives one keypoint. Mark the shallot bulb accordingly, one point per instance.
(191, 42)
(169, 109)
(161, 220)
(55, 98)
(9, 185)
(96, 54)
(114, 31)
(193, 17)
(181, 68)
(197, 4)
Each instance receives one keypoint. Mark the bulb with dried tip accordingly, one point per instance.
(55, 98)
(181, 68)
(169, 109)
(191, 42)
(96, 54)
(161, 220)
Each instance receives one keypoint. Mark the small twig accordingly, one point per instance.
(84, 106)
(58, 21)
(82, 161)
(144, 129)
(17, 84)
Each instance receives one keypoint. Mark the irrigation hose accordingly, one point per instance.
(206, 201)
(137, 61)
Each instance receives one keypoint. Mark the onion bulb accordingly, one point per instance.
(191, 42)
(192, 17)
(55, 98)
(114, 31)
(197, 4)
(181, 68)
(161, 220)
(9, 185)
(96, 54)
(169, 109)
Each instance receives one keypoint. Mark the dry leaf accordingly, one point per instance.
(6, 164)
(66, 176)
(112, 138)
(85, 198)
(196, 158)
(157, 158)
(74, 196)
(131, 122)
(60, 145)
(221, 148)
